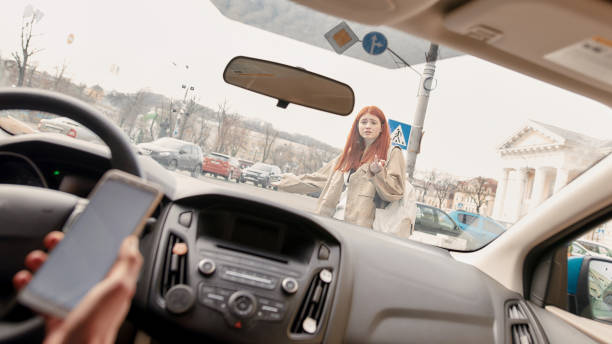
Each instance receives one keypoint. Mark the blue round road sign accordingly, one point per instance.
(374, 43)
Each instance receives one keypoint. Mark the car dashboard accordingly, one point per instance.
(226, 266)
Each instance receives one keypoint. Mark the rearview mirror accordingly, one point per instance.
(290, 85)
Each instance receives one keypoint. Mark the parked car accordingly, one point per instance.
(174, 154)
(262, 174)
(222, 165)
(576, 249)
(66, 126)
(598, 249)
(433, 224)
(244, 164)
(481, 228)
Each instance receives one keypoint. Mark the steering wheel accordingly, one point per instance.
(30, 212)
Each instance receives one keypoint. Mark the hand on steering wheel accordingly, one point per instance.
(99, 315)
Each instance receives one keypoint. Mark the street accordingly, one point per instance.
(297, 201)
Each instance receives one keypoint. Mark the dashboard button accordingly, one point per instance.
(207, 267)
(290, 285)
(185, 218)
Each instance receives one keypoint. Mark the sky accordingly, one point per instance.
(475, 107)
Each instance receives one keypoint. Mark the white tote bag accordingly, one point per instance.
(398, 217)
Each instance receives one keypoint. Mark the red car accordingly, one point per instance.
(223, 165)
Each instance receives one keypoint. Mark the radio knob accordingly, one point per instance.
(207, 267)
(290, 285)
(243, 304)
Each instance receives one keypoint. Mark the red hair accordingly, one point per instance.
(352, 157)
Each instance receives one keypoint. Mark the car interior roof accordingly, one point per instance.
(514, 34)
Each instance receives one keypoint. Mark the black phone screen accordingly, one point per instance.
(90, 247)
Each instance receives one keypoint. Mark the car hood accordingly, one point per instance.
(256, 170)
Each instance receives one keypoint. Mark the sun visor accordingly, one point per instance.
(570, 37)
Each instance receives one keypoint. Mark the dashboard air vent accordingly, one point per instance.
(521, 335)
(310, 313)
(175, 264)
(515, 312)
(520, 325)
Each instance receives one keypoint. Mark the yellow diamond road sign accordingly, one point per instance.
(341, 37)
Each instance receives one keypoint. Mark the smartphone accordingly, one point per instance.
(119, 205)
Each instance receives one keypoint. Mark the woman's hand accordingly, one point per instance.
(377, 165)
(99, 315)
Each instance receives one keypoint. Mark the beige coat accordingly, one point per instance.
(362, 187)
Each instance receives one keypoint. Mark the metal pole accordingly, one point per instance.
(427, 78)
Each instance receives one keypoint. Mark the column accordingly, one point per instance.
(562, 176)
(500, 194)
(520, 196)
(540, 186)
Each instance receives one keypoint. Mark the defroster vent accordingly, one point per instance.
(310, 313)
(175, 264)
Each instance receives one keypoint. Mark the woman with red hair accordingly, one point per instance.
(368, 174)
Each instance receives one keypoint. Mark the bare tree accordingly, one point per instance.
(270, 136)
(282, 155)
(130, 106)
(188, 117)
(32, 70)
(239, 138)
(167, 118)
(59, 75)
(203, 132)
(430, 180)
(477, 190)
(443, 189)
(225, 126)
(22, 56)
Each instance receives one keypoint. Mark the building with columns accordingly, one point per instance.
(539, 160)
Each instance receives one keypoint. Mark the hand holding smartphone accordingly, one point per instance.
(118, 206)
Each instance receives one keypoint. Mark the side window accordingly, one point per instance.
(187, 149)
(579, 281)
(589, 246)
(575, 250)
(445, 222)
(468, 219)
(428, 215)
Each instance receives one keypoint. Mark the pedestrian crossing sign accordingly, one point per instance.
(400, 133)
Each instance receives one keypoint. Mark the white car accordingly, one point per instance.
(66, 126)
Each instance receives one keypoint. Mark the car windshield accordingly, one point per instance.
(495, 144)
